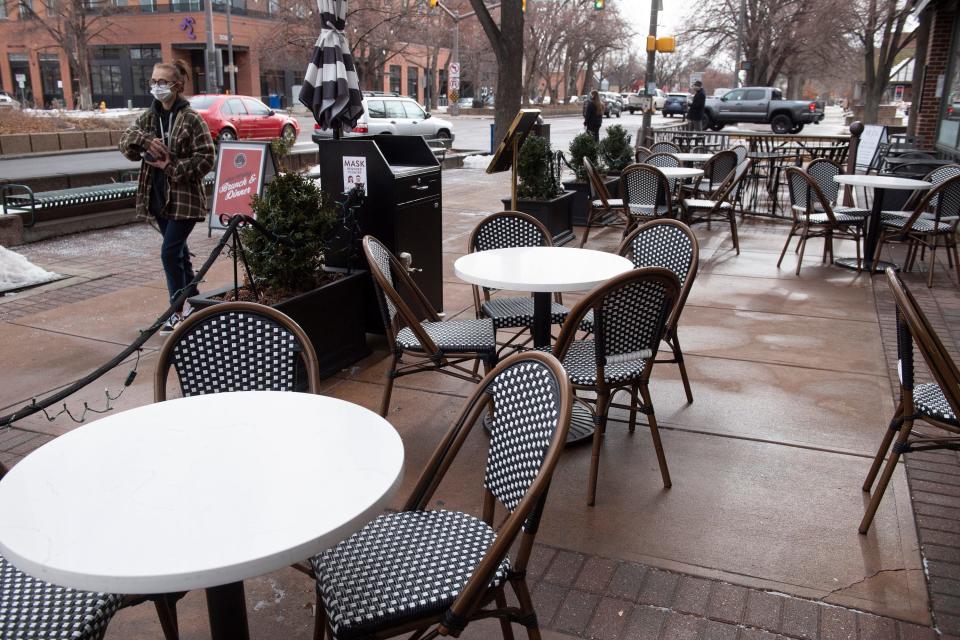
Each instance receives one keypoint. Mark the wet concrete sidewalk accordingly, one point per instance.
(792, 389)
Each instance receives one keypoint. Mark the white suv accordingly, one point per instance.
(397, 115)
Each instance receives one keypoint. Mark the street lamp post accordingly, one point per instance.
(233, 75)
(211, 49)
(456, 16)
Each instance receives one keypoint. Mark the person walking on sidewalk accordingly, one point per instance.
(593, 115)
(176, 150)
(696, 112)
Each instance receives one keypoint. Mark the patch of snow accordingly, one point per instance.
(77, 113)
(17, 272)
(476, 162)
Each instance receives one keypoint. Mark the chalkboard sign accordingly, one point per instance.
(870, 140)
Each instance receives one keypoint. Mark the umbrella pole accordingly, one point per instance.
(337, 132)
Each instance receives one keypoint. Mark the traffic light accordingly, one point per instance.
(598, 4)
(523, 5)
(433, 3)
(666, 44)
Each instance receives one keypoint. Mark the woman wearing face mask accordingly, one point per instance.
(176, 150)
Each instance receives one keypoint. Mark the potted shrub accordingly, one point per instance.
(616, 150)
(538, 189)
(584, 146)
(327, 303)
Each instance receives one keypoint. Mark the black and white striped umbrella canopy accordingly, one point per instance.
(330, 88)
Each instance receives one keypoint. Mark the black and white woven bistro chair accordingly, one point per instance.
(642, 153)
(672, 245)
(428, 345)
(935, 404)
(602, 206)
(716, 172)
(720, 206)
(741, 152)
(431, 572)
(932, 223)
(508, 229)
(33, 609)
(815, 217)
(630, 314)
(237, 346)
(646, 193)
(662, 159)
(664, 147)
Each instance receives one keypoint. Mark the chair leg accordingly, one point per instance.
(786, 244)
(733, 230)
(526, 606)
(388, 388)
(857, 238)
(933, 262)
(678, 356)
(956, 257)
(167, 613)
(803, 247)
(877, 251)
(655, 433)
(633, 409)
(603, 404)
(505, 627)
(885, 477)
(895, 425)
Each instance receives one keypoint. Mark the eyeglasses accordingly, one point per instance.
(161, 83)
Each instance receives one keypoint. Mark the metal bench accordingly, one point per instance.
(20, 198)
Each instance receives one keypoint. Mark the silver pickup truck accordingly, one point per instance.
(764, 105)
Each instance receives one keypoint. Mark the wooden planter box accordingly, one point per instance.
(331, 316)
(554, 214)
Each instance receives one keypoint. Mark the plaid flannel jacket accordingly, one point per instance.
(192, 155)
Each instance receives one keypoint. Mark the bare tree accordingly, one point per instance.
(73, 25)
(878, 26)
(506, 40)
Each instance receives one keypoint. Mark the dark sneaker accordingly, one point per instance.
(170, 325)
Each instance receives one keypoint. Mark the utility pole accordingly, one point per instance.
(233, 75)
(651, 79)
(211, 49)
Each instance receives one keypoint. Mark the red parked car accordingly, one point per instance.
(231, 117)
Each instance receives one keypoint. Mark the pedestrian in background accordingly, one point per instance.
(696, 112)
(593, 115)
(176, 152)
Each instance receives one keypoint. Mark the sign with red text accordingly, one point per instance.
(243, 168)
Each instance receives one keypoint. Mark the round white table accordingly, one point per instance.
(880, 185)
(693, 157)
(198, 492)
(680, 172)
(544, 271)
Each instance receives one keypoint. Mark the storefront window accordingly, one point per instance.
(50, 79)
(395, 71)
(20, 70)
(948, 134)
(413, 81)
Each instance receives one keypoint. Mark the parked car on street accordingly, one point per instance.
(764, 105)
(612, 104)
(396, 115)
(632, 101)
(231, 117)
(676, 104)
(7, 101)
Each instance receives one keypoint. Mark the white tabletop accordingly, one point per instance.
(197, 492)
(680, 172)
(540, 269)
(693, 157)
(882, 182)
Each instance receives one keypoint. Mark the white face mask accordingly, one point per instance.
(161, 93)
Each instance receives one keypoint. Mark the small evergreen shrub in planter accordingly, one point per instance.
(538, 189)
(582, 146)
(328, 304)
(616, 150)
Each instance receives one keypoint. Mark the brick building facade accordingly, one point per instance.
(938, 105)
(143, 32)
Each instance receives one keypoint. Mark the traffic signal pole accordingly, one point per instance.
(456, 16)
(651, 78)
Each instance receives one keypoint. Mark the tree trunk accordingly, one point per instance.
(82, 74)
(507, 44)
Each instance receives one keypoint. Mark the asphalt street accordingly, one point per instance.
(471, 133)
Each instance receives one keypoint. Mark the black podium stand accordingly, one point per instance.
(403, 208)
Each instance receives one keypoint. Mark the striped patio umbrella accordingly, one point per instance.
(330, 87)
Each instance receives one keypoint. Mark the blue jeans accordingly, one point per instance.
(175, 255)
